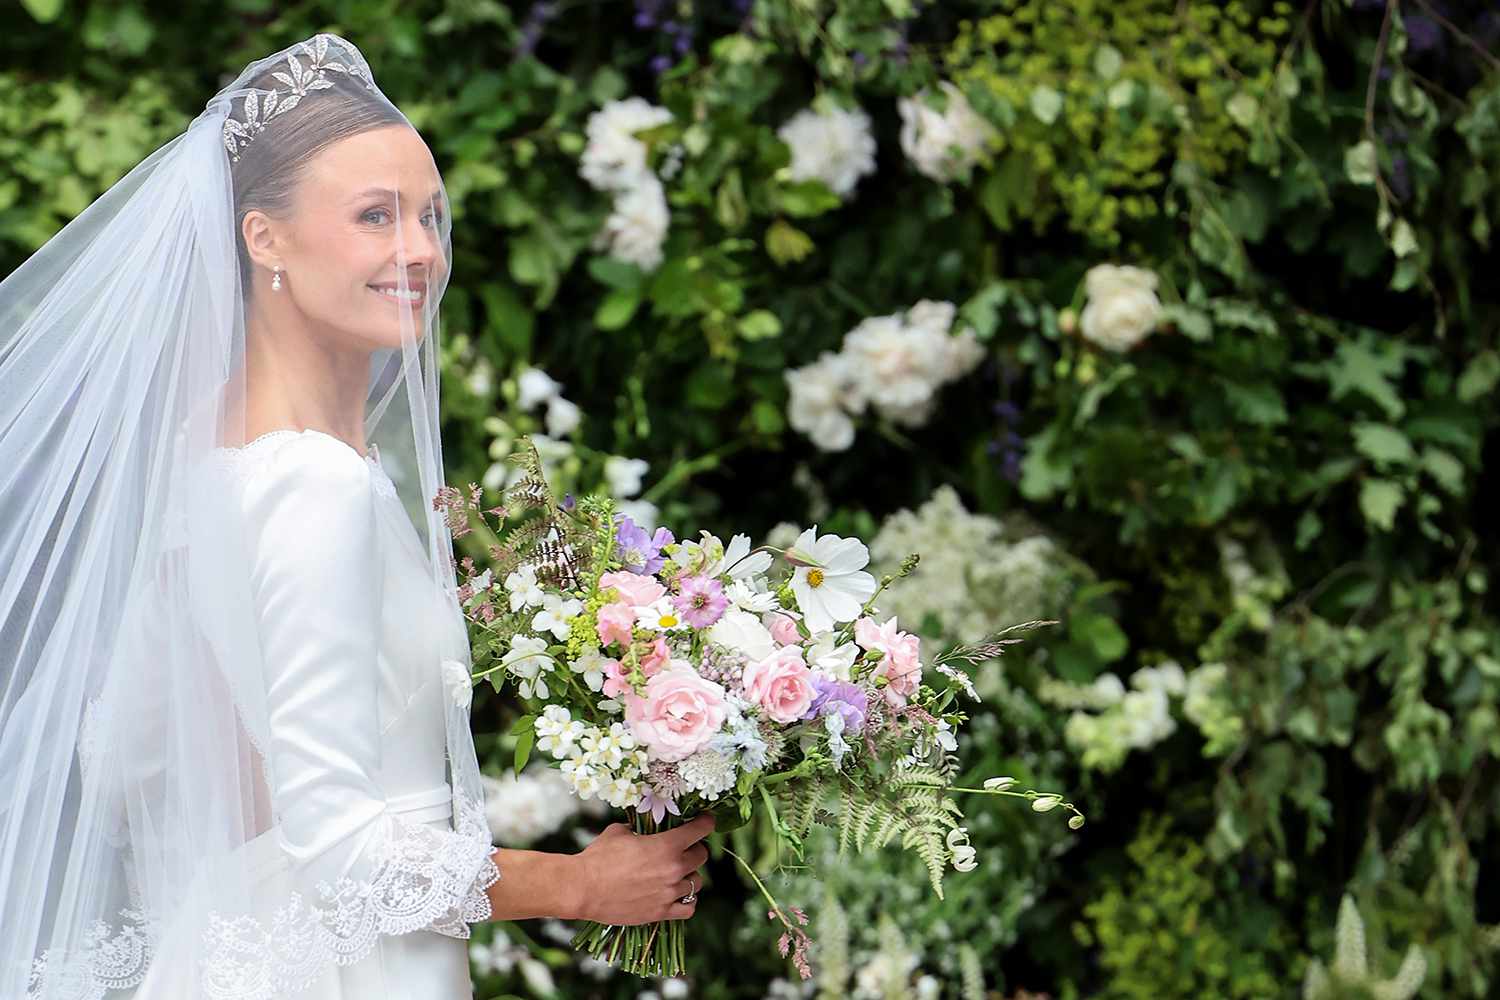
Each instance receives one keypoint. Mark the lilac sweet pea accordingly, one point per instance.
(640, 553)
(848, 700)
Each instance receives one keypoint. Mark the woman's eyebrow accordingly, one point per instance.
(389, 193)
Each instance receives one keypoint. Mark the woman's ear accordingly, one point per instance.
(260, 239)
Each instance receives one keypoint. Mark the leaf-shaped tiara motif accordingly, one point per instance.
(263, 105)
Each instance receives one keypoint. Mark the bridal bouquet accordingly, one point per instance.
(668, 677)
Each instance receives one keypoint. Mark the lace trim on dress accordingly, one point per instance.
(424, 877)
(242, 461)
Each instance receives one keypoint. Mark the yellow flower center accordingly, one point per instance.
(815, 578)
(667, 621)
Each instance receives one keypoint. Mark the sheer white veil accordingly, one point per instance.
(134, 791)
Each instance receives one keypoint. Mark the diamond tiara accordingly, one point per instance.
(263, 105)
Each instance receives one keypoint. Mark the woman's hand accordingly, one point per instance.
(624, 877)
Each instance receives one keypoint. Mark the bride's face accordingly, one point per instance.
(367, 209)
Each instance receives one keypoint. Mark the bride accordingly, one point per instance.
(235, 755)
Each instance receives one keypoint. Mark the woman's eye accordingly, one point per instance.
(379, 213)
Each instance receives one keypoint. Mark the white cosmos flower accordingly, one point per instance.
(624, 475)
(738, 562)
(829, 581)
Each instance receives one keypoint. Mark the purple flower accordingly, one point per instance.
(568, 502)
(848, 700)
(701, 601)
(660, 64)
(639, 552)
(656, 804)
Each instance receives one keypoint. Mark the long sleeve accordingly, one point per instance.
(317, 583)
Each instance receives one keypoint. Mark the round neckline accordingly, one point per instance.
(372, 455)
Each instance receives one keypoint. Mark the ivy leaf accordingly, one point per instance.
(1383, 444)
(1379, 499)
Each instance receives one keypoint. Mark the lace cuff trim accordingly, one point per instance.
(424, 878)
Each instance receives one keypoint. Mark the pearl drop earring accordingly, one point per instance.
(276, 280)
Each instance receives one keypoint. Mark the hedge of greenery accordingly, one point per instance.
(1171, 319)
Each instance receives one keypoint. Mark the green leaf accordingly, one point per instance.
(1358, 368)
(1100, 634)
(709, 387)
(1359, 162)
(615, 273)
(1042, 475)
(1445, 468)
(525, 724)
(1480, 377)
(617, 308)
(44, 11)
(761, 324)
(806, 198)
(523, 749)
(1379, 499)
(787, 244)
(1383, 444)
(1257, 403)
(1107, 62)
(1046, 103)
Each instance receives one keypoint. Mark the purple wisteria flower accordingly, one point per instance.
(639, 552)
(701, 601)
(848, 700)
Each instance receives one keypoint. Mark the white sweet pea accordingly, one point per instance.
(460, 683)
(829, 581)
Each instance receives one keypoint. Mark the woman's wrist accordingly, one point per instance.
(536, 884)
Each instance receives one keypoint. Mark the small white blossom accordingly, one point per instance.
(624, 475)
(834, 146)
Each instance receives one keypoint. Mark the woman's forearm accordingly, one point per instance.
(534, 884)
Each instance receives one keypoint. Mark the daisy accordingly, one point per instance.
(660, 616)
(829, 581)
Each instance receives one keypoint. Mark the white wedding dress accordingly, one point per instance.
(356, 767)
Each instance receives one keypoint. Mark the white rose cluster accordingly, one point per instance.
(894, 364)
(614, 161)
(833, 145)
(943, 145)
(1122, 308)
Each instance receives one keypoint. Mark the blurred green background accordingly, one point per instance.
(1247, 478)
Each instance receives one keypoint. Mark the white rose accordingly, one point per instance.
(942, 145)
(1122, 307)
(614, 158)
(637, 228)
(833, 146)
(821, 396)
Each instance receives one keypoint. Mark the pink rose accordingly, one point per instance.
(636, 589)
(678, 714)
(658, 656)
(783, 628)
(616, 679)
(616, 623)
(901, 666)
(781, 684)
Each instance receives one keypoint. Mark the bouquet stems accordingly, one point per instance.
(654, 949)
